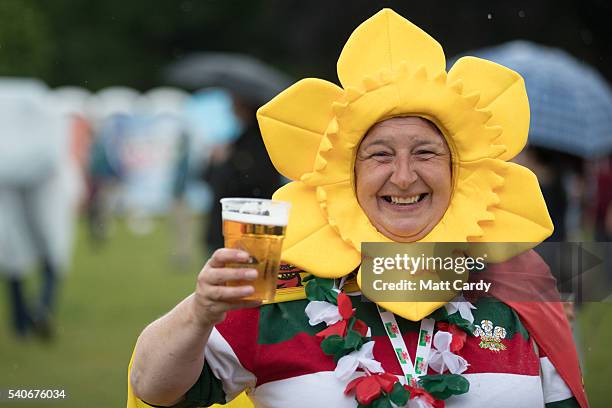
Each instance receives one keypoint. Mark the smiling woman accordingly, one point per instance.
(402, 152)
(403, 177)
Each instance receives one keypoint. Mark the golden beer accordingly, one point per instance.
(258, 229)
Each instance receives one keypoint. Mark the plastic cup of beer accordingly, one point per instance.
(256, 226)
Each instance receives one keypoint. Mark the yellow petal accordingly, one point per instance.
(344, 209)
(382, 42)
(502, 93)
(472, 199)
(414, 311)
(293, 123)
(521, 214)
(311, 243)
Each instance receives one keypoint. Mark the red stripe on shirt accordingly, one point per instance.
(303, 355)
(240, 330)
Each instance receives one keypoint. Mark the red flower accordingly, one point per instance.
(360, 327)
(369, 387)
(345, 307)
(386, 381)
(338, 328)
(459, 336)
(424, 395)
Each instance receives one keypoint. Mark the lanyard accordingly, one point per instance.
(411, 371)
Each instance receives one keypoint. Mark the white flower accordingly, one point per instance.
(318, 311)
(463, 306)
(418, 403)
(441, 358)
(363, 358)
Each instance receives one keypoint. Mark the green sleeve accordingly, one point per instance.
(207, 391)
(568, 403)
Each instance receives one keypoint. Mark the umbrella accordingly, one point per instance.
(165, 101)
(30, 134)
(70, 100)
(243, 75)
(112, 101)
(210, 117)
(571, 103)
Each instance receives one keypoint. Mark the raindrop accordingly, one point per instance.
(521, 13)
(489, 16)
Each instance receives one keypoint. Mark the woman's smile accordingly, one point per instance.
(403, 203)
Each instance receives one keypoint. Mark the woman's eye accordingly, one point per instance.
(425, 153)
(380, 154)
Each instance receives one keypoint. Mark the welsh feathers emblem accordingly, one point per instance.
(490, 337)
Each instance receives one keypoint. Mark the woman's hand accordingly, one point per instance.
(213, 298)
(169, 354)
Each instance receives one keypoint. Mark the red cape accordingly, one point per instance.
(526, 285)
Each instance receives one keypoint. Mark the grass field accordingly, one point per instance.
(112, 292)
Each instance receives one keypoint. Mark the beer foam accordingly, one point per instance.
(279, 220)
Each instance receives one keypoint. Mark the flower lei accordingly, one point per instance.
(348, 340)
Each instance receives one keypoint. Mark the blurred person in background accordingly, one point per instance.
(40, 187)
(560, 178)
(602, 214)
(180, 211)
(104, 177)
(240, 169)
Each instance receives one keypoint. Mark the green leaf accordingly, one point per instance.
(399, 395)
(341, 353)
(440, 315)
(463, 324)
(332, 344)
(336, 346)
(458, 383)
(308, 278)
(353, 340)
(442, 386)
(382, 402)
(332, 297)
(436, 387)
(325, 283)
(321, 289)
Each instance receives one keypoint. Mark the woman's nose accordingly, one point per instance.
(403, 173)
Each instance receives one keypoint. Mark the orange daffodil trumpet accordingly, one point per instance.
(389, 67)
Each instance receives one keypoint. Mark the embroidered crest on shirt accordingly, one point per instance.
(490, 336)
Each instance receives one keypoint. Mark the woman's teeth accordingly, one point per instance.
(404, 200)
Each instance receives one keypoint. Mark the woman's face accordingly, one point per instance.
(403, 177)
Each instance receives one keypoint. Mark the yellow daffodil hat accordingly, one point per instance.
(389, 67)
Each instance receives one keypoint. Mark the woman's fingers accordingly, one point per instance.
(212, 296)
(227, 255)
(219, 276)
(227, 293)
